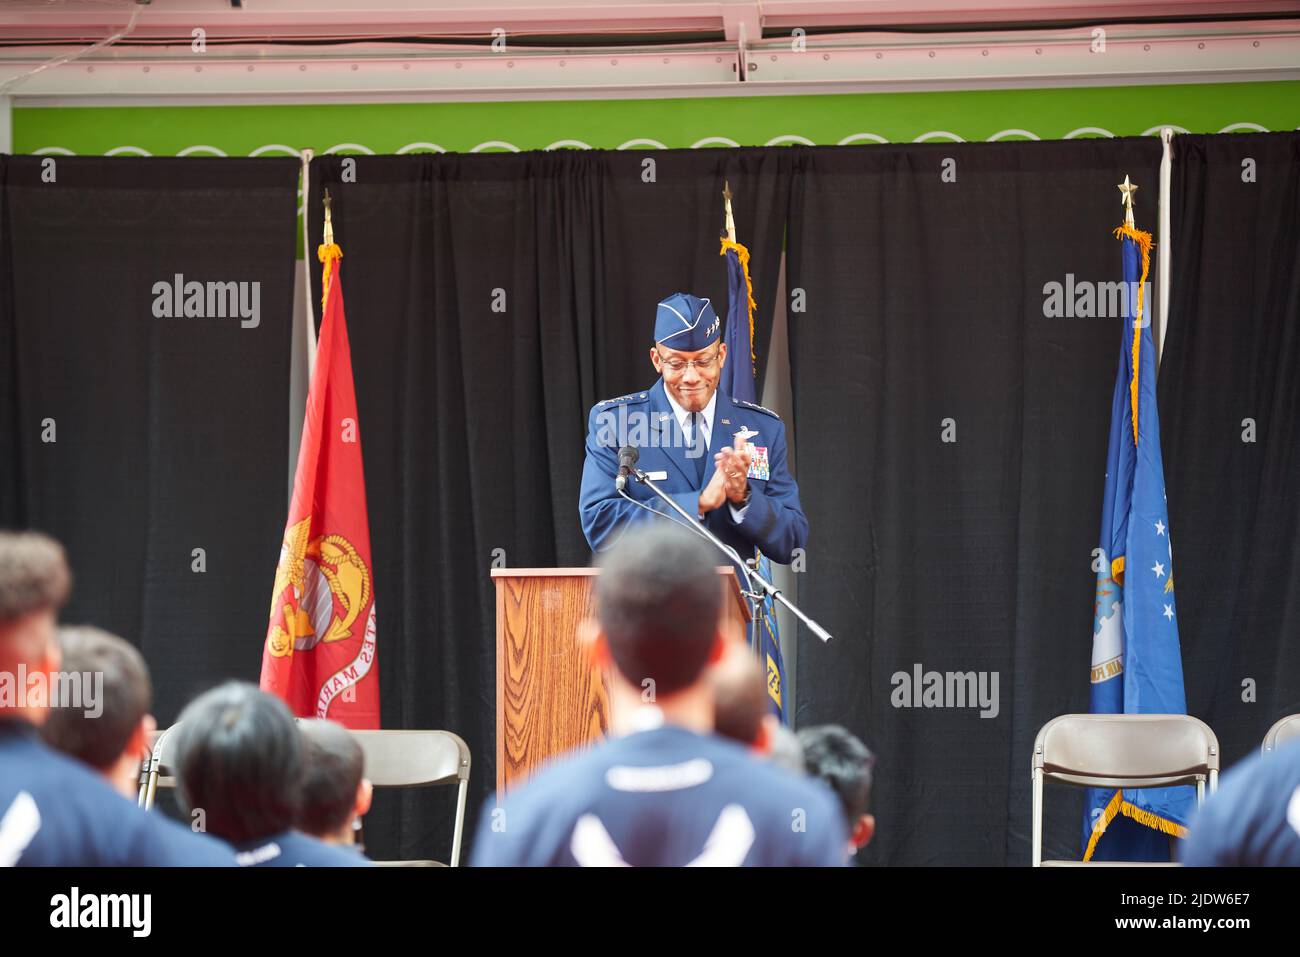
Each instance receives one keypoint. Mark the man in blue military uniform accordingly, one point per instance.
(722, 460)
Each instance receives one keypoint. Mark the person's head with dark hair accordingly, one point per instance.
(785, 751)
(34, 584)
(742, 708)
(112, 734)
(836, 756)
(335, 792)
(239, 760)
(658, 599)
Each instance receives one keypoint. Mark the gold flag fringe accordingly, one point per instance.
(743, 255)
(327, 253)
(1117, 805)
(1144, 243)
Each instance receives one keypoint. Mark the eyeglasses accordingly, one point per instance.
(678, 366)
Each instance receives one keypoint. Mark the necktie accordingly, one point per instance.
(697, 449)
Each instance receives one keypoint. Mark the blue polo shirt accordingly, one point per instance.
(295, 849)
(664, 797)
(56, 812)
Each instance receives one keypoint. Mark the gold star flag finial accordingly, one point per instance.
(1127, 190)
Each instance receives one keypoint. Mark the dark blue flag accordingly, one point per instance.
(1136, 660)
(738, 382)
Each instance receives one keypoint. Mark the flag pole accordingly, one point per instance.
(755, 598)
(328, 238)
(726, 203)
(1164, 251)
(765, 588)
(329, 252)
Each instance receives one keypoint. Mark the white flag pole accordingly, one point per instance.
(307, 155)
(1164, 255)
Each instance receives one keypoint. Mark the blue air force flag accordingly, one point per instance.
(1136, 661)
(738, 382)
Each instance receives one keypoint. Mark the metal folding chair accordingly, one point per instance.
(1284, 730)
(411, 759)
(157, 771)
(1121, 751)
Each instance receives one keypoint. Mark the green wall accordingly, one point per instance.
(746, 120)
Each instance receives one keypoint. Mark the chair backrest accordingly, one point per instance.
(407, 759)
(393, 759)
(403, 759)
(158, 767)
(1127, 750)
(1284, 730)
(164, 749)
(145, 762)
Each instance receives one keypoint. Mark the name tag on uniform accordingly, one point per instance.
(657, 476)
(758, 467)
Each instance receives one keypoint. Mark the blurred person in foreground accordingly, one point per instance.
(239, 764)
(1253, 819)
(833, 754)
(740, 698)
(55, 811)
(743, 709)
(116, 741)
(662, 790)
(335, 792)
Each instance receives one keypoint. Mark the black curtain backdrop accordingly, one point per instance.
(923, 269)
(169, 435)
(472, 420)
(1232, 354)
(914, 300)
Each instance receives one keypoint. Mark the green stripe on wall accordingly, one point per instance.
(748, 120)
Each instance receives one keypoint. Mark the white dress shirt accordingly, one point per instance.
(706, 427)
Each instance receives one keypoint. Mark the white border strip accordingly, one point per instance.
(1164, 255)
(307, 155)
(642, 92)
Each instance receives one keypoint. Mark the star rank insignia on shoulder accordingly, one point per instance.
(631, 396)
(755, 407)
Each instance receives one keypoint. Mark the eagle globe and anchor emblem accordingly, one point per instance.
(329, 586)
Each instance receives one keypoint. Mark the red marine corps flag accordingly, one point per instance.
(320, 642)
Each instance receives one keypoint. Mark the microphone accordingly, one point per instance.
(627, 457)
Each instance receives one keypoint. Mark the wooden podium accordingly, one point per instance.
(549, 699)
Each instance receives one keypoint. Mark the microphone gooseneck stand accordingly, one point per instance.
(759, 587)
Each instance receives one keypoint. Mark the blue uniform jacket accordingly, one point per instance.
(55, 811)
(774, 521)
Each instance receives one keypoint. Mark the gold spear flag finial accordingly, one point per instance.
(1127, 190)
(329, 222)
(726, 202)
(327, 252)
